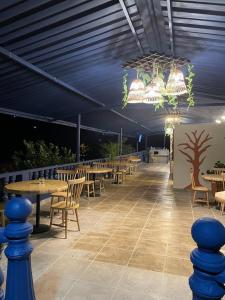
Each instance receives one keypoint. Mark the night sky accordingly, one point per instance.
(15, 129)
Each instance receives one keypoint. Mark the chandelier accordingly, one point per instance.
(150, 87)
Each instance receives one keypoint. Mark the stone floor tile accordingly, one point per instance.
(147, 261)
(114, 255)
(103, 273)
(178, 266)
(89, 291)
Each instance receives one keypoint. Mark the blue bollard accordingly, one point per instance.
(19, 284)
(2, 241)
(208, 277)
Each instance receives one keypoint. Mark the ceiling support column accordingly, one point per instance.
(78, 138)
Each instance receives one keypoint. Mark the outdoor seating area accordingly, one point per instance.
(112, 157)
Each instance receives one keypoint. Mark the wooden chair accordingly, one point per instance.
(70, 203)
(89, 185)
(218, 171)
(199, 189)
(219, 184)
(118, 173)
(64, 175)
(100, 178)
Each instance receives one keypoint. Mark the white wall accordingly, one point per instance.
(215, 152)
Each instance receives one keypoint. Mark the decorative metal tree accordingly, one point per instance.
(197, 144)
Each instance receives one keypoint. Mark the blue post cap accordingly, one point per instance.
(18, 209)
(208, 233)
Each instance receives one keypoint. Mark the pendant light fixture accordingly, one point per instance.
(176, 85)
(154, 91)
(170, 122)
(137, 92)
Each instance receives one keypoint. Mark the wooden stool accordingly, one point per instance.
(89, 188)
(89, 185)
(220, 198)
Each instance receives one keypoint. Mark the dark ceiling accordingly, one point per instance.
(62, 58)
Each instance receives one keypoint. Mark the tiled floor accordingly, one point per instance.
(134, 244)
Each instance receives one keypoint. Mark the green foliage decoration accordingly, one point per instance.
(110, 150)
(39, 154)
(172, 100)
(127, 149)
(189, 78)
(125, 89)
(219, 164)
(160, 104)
(144, 76)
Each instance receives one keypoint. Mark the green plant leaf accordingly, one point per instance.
(125, 89)
(189, 79)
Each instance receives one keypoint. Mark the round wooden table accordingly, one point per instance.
(213, 178)
(95, 171)
(134, 160)
(39, 188)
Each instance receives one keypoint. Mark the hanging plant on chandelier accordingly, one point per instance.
(170, 122)
(149, 87)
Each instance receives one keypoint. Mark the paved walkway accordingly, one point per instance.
(134, 244)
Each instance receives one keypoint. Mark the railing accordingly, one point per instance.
(208, 278)
(47, 172)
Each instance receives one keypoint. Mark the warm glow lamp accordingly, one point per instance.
(176, 85)
(137, 92)
(154, 91)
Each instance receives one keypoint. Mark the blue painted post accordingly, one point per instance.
(208, 278)
(19, 285)
(2, 240)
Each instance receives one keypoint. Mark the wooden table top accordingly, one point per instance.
(98, 170)
(36, 187)
(117, 163)
(213, 177)
(134, 159)
(220, 195)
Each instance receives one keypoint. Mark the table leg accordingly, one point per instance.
(39, 228)
(214, 188)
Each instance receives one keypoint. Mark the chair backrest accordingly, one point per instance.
(75, 187)
(218, 171)
(66, 175)
(81, 172)
(83, 166)
(100, 165)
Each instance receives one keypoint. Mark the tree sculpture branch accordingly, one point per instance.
(190, 159)
(205, 140)
(187, 146)
(200, 135)
(188, 136)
